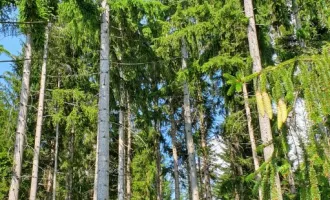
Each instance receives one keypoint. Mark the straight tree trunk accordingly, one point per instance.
(35, 166)
(21, 122)
(121, 139)
(129, 150)
(200, 182)
(205, 166)
(265, 129)
(175, 154)
(251, 135)
(188, 128)
(55, 161)
(102, 172)
(158, 162)
(96, 168)
(57, 132)
(69, 178)
(49, 182)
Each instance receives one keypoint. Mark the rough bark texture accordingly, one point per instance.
(35, 166)
(102, 173)
(129, 150)
(265, 129)
(21, 123)
(251, 135)
(188, 129)
(121, 144)
(175, 154)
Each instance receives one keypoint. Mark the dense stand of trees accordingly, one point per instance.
(140, 99)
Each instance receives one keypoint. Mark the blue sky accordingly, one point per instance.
(14, 45)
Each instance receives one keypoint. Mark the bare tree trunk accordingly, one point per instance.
(158, 162)
(69, 178)
(251, 134)
(56, 149)
(55, 162)
(129, 150)
(96, 168)
(102, 172)
(35, 167)
(49, 183)
(200, 174)
(21, 122)
(188, 128)
(175, 153)
(188, 180)
(265, 129)
(121, 143)
(205, 167)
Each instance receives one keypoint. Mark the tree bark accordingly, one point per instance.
(251, 135)
(205, 166)
(55, 161)
(69, 177)
(35, 166)
(21, 122)
(121, 139)
(129, 150)
(56, 150)
(158, 162)
(175, 153)
(49, 183)
(188, 128)
(265, 129)
(102, 173)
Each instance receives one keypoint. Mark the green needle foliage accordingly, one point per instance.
(145, 45)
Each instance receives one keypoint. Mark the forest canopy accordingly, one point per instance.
(159, 100)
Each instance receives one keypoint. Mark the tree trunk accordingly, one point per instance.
(121, 139)
(188, 128)
(56, 150)
(200, 176)
(251, 135)
(55, 162)
(49, 183)
(21, 122)
(35, 167)
(102, 173)
(265, 129)
(129, 150)
(205, 166)
(96, 168)
(175, 154)
(69, 178)
(158, 162)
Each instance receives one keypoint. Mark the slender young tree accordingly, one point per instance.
(35, 167)
(159, 182)
(121, 138)
(175, 153)
(188, 128)
(129, 150)
(264, 122)
(251, 135)
(21, 124)
(55, 160)
(205, 153)
(102, 172)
